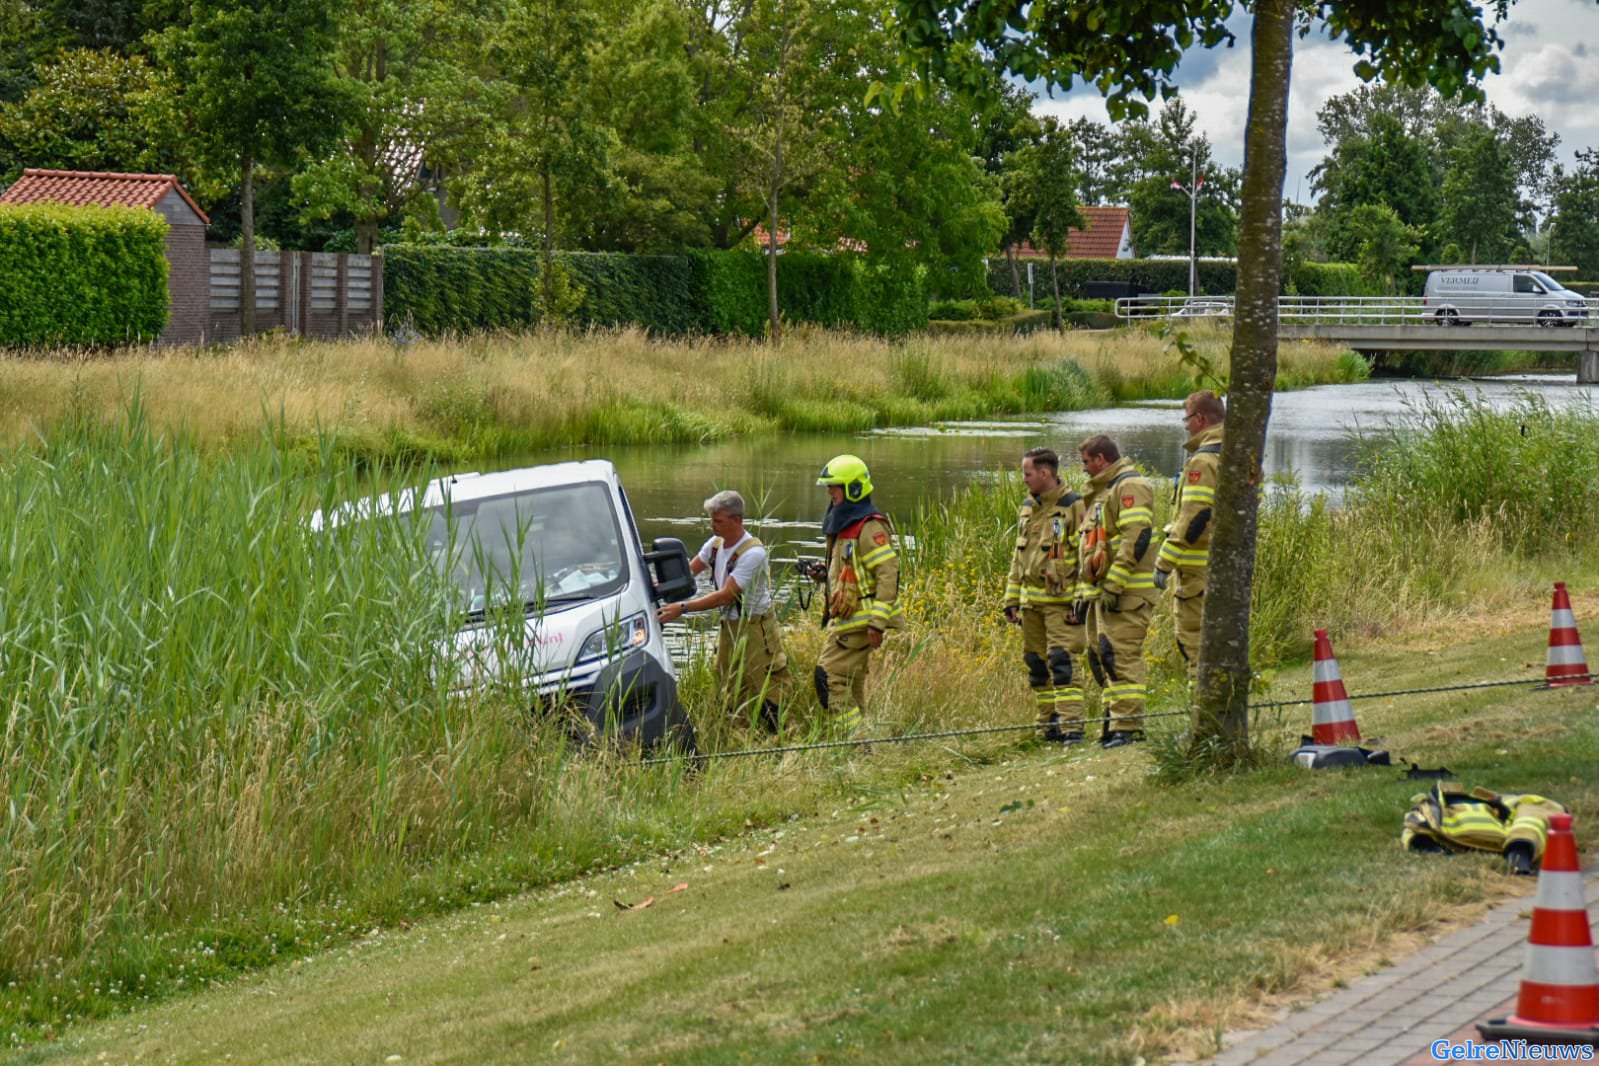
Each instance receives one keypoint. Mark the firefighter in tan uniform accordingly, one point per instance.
(1186, 551)
(752, 675)
(1040, 595)
(861, 571)
(1117, 554)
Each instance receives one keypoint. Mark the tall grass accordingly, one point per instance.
(479, 396)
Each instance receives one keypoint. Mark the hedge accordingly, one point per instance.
(439, 290)
(81, 277)
(1171, 275)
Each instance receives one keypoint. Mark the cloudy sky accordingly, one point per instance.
(1548, 67)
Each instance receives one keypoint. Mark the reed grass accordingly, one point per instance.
(490, 395)
(228, 741)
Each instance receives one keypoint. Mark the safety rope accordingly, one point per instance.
(1537, 685)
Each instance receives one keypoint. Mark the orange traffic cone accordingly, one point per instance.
(1559, 1001)
(1332, 720)
(1566, 663)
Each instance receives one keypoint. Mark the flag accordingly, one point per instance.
(1177, 185)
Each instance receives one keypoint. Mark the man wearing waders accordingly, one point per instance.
(1039, 594)
(752, 676)
(1186, 551)
(1118, 569)
(861, 570)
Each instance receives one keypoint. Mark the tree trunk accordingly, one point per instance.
(547, 268)
(366, 235)
(1054, 281)
(1221, 705)
(774, 322)
(247, 253)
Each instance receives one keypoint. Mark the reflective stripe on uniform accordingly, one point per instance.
(878, 556)
(1198, 494)
(1124, 691)
(1184, 556)
(1134, 516)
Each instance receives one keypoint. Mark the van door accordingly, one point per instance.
(1526, 297)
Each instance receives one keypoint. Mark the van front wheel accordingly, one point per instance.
(1548, 319)
(1447, 316)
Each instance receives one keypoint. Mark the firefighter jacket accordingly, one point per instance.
(1043, 572)
(1187, 545)
(1117, 551)
(863, 577)
(1480, 820)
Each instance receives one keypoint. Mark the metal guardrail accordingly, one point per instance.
(1373, 310)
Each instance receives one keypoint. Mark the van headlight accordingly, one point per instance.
(613, 641)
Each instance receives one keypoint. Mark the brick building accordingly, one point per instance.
(188, 274)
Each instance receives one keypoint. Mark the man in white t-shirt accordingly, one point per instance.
(751, 669)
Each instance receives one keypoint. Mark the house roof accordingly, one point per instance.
(1101, 239)
(82, 188)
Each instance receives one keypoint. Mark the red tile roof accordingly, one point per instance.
(1101, 240)
(86, 188)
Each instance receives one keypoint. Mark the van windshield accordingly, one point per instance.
(553, 545)
(1549, 283)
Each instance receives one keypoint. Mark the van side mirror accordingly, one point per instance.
(668, 558)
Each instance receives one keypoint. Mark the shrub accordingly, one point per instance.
(956, 311)
(81, 277)
(438, 290)
(1171, 276)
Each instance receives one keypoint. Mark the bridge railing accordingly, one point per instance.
(1373, 310)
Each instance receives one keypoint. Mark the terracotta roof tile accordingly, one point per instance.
(95, 188)
(1100, 240)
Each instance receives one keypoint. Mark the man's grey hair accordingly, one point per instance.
(727, 502)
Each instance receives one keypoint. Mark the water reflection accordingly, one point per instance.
(1312, 435)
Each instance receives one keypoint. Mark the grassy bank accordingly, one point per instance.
(498, 395)
(228, 743)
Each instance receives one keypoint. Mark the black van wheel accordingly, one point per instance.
(1548, 319)
(1447, 316)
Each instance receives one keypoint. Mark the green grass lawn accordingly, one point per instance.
(973, 902)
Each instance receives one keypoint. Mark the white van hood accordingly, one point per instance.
(543, 654)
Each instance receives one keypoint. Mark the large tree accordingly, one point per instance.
(258, 81)
(1574, 238)
(1127, 51)
(1044, 184)
(1480, 205)
(405, 65)
(1382, 166)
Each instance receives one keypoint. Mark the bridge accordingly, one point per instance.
(1397, 324)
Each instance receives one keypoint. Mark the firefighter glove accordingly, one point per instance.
(1162, 578)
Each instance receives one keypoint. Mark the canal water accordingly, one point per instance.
(1314, 435)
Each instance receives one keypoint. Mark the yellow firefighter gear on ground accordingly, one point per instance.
(751, 666)
(863, 592)
(1186, 550)
(1121, 510)
(1042, 583)
(1480, 820)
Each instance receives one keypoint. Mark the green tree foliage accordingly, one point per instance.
(97, 110)
(1480, 204)
(1383, 166)
(257, 79)
(1044, 181)
(406, 68)
(1149, 156)
(547, 152)
(1575, 234)
(1383, 244)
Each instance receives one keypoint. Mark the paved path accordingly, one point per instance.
(1393, 1017)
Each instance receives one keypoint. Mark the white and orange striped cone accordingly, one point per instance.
(1559, 1000)
(1566, 663)
(1332, 720)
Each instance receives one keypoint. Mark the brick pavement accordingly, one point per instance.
(1393, 1017)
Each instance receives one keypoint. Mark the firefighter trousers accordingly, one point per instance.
(1116, 656)
(751, 668)
(1052, 648)
(1188, 604)
(841, 671)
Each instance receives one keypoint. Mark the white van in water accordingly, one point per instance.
(560, 539)
(1459, 296)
